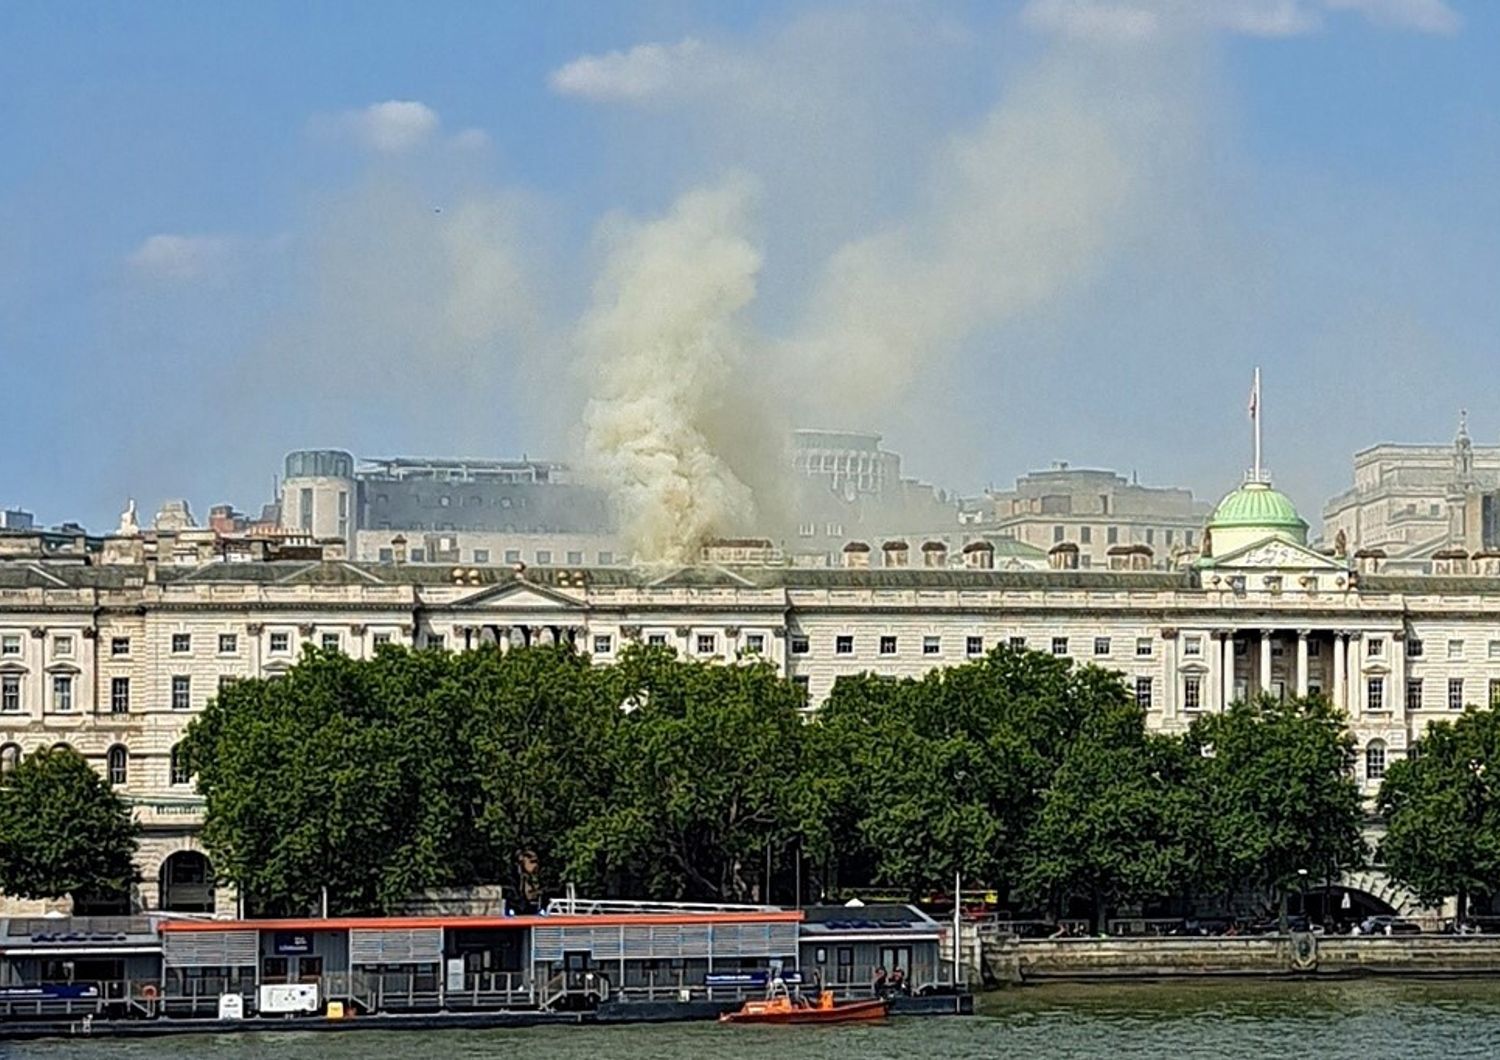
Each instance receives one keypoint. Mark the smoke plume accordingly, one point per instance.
(662, 342)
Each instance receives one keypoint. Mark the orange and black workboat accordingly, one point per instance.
(781, 1008)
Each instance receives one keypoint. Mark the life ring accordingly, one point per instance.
(149, 992)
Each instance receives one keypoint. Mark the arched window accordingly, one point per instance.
(118, 762)
(1374, 759)
(62, 746)
(179, 766)
(10, 757)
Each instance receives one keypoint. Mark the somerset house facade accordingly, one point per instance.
(113, 649)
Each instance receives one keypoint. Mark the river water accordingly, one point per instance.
(1360, 1019)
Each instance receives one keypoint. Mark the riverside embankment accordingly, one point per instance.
(1010, 961)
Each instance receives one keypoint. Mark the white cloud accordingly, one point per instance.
(1425, 16)
(395, 126)
(471, 140)
(166, 256)
(645, 72)
(1132, 21)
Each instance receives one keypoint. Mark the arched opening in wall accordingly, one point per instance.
(186, 884)
(1338, 908)
(10, 757)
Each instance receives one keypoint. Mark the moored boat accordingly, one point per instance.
(781, 1007)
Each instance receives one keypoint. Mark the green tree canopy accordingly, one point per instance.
(1277, 782)
(706, 762)
(63, 830)
(1442, 811)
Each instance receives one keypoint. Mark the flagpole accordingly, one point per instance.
(1256, 418)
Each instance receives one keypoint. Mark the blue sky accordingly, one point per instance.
(231, 230)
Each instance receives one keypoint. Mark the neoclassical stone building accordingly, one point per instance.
(114, 650)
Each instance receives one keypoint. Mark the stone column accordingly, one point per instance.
(1302, 635)
(1395, 694)
(1169, 681)
(1213, 695)
(1354, 669)
(1228, 671)
(1340, 689)
(1265, 662)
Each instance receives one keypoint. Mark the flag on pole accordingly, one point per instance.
(1255, 395)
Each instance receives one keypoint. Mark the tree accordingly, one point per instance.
(1442, 812)
(1276, 780)
(63, 830)
(1118, 822)
(705, 765)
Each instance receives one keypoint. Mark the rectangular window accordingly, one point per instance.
(119, 646)
(62, 693)
(1192, 646)
(1375, 694)
(1187, 538)
(974, 646)
(182, 692)
(512, 555)
(1455, 693)
(281, 643)
(179, 769)
(229, 643)
(931, 646)
(1101, 645)
(1455, 649)
(10, 644)
(1086, 534)
(63, 646)
(755, 643)
(575, 559)
(1495, 649)
(543, 557)
(799, 644)
(1059, 645)
(1017, 643)
(1150, 537)
(418, 555)
(304, 511)
(10, 693)
(800, 682)
(603, 644)
(707, 644)
(843, 644)
(481, 555)
(1375, 760)
(1192, 693)
(1494, 693)
(1143, 646)
(330, 642)
(1112, 535)
(1413, 648)
(1414, 693)
(435, 641)
(119, 695)
(606, 559)
(1143, 692)
(225, 680)
(386, 555)
(1314, 648)
(182, 643)
(1057, 533)
(887, 645)
(1375, 647)
(656, 640)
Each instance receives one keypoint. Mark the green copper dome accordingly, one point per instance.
(1257, 506)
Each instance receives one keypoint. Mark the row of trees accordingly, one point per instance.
(377, 778)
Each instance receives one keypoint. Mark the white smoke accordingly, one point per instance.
(662, 342)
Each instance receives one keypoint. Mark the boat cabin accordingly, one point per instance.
(844, 946)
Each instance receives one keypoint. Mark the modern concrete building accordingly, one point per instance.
(114, 648)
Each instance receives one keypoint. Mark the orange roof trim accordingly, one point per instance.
(344, 923)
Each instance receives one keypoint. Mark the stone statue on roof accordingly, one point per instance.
(130, 525)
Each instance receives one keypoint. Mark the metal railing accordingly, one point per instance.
(600, 906)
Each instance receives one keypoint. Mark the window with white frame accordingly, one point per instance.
(843, 644)
(62, 647)
(330, 642)
(1413, 648)
(380, 638)
(1494, 692)
(603, 644)
(1375, 694)
(119, 695)
(1143, 692)
(1192, 646)
(281, 642)
(1374, 647)
(119, 646)
(887, 645)
(1455, 649)
(755, 643)
(1192, 692)
(182, 692)
(182, 643)
(1495, 649)
(62, 693)
(1375, 760)
(10, 693)
(118, 765)
(229, 643)
(1101, 645)
(1017, 643)
(1059, 645)
(10, 644)
(1455, 693)
(800, 644)
(179, 767)
(1143, 645)
(974, 645)
(1413, 693)
(656, 640)
(707, 644)
(931, 645)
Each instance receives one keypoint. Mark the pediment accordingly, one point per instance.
(1276, 554)
(520, 596)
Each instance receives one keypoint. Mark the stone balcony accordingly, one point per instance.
(167, 811)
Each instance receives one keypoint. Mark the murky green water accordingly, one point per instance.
(1357, 1019)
